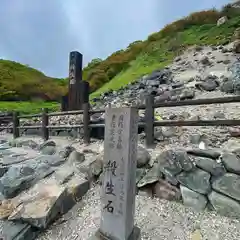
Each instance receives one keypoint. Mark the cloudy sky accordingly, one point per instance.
(41, 33)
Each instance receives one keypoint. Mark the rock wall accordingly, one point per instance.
(199, 178)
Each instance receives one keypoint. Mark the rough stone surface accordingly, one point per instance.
(231, 162)
(224, 205)
(40, 205)
(210, 165)
(21, 177)
(136, 235)
(229, 184)
(76, 157)
(208, 153)
(18, 231)
(193, 199)
(167, 162)
(152, 176)
(164, 190)
(143, 157)
(197, 180)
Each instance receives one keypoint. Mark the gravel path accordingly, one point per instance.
(158, 220)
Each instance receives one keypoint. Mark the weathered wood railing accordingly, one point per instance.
(148, 123)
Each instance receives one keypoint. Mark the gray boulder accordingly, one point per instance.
(47, 143)
(210, 165)
(168, 163)
(193, 199)
(76, 157)
(231, 162)
(41, 206)
(152, 176)
(48, 150)
(18, 231)
(23, 143)
(197, 180)
(208, 153)
(140, 173)
(173, 162)
(21, 177)
(224, 205)
(228, 184)
(208, 85)
(66, 151)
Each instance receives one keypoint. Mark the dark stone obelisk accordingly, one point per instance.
(75, 79)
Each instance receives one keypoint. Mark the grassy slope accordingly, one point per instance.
(20, 82)
(159, 53)
(27, 107)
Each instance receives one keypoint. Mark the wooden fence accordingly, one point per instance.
(148, 124)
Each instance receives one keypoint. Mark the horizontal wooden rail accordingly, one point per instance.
(5, 128)
(198, 123)
(206, 101)
(148, 123)
(97, 111)
(65, 113)
(29, 127)
(29, 116)
(64, 126)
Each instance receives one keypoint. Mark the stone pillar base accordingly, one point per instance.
(136, 235)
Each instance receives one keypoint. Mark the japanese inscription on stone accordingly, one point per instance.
(118, 190)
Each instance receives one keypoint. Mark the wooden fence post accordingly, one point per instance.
(86, 121)
(149, 120)
(16, 121)
(45, 122)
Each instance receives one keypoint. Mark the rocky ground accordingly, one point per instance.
(57, 199)
(196, 166)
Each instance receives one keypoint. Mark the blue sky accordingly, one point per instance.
(41, 33)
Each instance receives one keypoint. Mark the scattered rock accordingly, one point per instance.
(205, 60)
(76, 157)
(234, 131)
(193, 199)
(47, 143)
(236, 46)
(222, 20)
(208, 85)
(48, 150)
(6, 208)
(66, 151)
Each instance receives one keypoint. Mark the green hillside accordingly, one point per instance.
(142, 57)
(22, 83)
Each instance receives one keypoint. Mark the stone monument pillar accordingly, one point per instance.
(119, 181)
